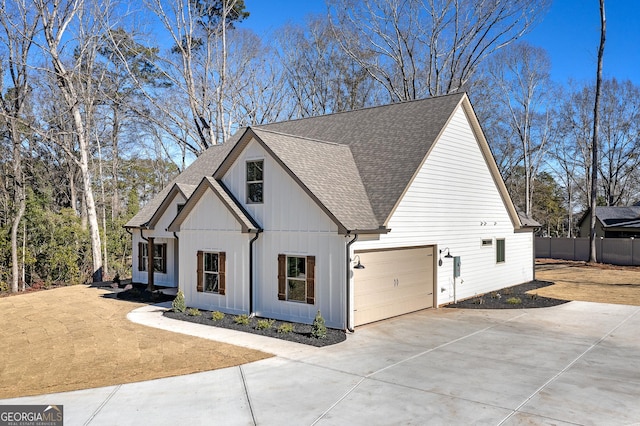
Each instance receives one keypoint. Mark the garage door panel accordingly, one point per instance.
(393, 282)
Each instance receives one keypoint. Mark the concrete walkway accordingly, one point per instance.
(576, 363)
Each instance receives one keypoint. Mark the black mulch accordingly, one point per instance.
(140, 294)
(300, 334)
(515, 297)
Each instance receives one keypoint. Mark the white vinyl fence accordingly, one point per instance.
(615, 251)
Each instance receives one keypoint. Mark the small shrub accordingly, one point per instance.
(4, 287)
(287, 327)
(495, 295)
(507, 291)
(533, 296)
(217, 315)
(194, 312)
(319, 330)
(479, 301)
(264, 324)
(178, 304)
(514, 301)
(241, 319)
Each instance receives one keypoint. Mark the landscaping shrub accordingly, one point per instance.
(217, 315)
(194, 312)
(241, 319)
(178, 304)
(514, 301)
(319, 330)
(264, 324)
(286, 328)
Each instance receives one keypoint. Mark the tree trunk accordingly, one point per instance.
(596, 126)
(19, 204)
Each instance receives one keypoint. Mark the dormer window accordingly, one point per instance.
(255, 182)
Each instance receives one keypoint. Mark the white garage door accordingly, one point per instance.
(394, 282)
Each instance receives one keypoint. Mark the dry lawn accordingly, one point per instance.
(590, 282)
(73, 338)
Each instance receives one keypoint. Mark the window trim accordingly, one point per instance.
(486, 242)
(254, 182)
(200, 272)
(501, 250)
(283, 278)
(143, 257)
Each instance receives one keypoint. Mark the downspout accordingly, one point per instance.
(253, 240)
(348, 282)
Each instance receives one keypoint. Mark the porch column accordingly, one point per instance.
(150, 262)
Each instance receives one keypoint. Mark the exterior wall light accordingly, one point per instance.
(358, 265)
(446, 256)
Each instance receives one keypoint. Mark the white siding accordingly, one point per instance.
(211, 227)
(162, 236)
(293, 224)
(454, 202)
(170, 278)
(160, 228)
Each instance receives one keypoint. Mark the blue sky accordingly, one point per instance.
(569, 32)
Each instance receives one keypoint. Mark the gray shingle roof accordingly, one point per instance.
(388, 142)
(204, 165)
(329, 172)
(245, 220)
(355, 164)
(618, 215)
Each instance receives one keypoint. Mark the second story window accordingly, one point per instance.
(255, 181)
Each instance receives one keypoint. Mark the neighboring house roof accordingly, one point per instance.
(355, 165)
(616, 216)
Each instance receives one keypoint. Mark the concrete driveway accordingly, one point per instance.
(576, 363)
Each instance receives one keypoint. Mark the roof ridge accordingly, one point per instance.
(362, 109)
(299, 137)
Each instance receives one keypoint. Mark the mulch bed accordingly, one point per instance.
(140, 294)
(301, 332)
(514, 297)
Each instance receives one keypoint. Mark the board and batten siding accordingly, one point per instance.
(454, 202)
(211, 227)
(168, 279)
(162, 236)
(294, 225)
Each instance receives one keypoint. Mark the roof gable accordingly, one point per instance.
(178, 188)
(204, 165)
(388, 143)
(245, 220)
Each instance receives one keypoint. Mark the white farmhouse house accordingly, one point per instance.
(362, 215)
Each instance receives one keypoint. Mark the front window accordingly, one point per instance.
(211, 273)
(296, 279)
(159, 257)
(255, 181)
(500, 250)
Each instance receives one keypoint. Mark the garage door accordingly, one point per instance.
(393, 282)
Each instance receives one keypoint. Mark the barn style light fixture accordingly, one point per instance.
(446, 256)
(358, 265)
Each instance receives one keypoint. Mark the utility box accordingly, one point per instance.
(456, 266)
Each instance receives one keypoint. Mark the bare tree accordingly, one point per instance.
(619, 134)
(524, 95)
(321, 77)
(19, 25)
(57, 17)
(197, 68)
(415, 48)
(596, 128)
